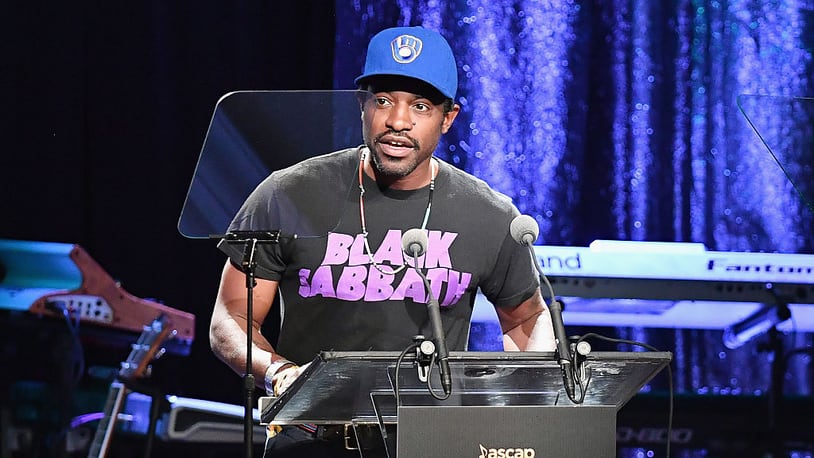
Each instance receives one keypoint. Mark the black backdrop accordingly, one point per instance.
(105, 106)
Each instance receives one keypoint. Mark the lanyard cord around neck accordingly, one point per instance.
(362, 156)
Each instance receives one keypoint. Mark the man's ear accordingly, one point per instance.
(449, 118)
(363, 96)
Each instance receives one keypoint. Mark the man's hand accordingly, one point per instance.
(285, 377)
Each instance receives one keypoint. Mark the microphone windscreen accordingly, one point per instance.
(414, 242)
(524, 229)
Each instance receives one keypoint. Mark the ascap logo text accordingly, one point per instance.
(506, 452)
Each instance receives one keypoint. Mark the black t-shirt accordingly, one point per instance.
(334, 298)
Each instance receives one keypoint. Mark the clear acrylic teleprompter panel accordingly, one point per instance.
(253, 133)
(341, 387)
(785, 126)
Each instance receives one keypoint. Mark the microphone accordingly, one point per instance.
(524, 230)
(414, 243)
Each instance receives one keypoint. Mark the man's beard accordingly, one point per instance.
(393, 168)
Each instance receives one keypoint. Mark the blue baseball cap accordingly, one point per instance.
(414, 52)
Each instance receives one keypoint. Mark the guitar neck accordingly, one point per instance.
(104, 431)
(144, 350)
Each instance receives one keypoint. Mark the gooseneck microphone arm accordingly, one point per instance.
(524, 230)
(414, 243)
(563, 352)
(434, 310)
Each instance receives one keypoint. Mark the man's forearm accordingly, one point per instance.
(228, 343)
(540, 337)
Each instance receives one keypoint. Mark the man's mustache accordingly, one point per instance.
(401, 136)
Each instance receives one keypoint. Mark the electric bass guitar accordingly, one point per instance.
(146, 348)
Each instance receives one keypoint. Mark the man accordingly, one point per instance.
(346, 284)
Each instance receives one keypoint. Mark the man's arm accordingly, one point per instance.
(227, 330)
(527, 326)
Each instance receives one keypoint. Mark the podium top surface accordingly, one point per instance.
(347, 387)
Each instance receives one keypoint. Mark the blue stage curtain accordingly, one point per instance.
(621, 120)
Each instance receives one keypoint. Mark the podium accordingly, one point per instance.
(503, 404)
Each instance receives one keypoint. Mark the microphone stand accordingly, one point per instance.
(414, 243)
(524, 230)
(434, 310)
(249, 240)
(563, 349)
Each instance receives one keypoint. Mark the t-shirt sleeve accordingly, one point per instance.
(514, 278)
(259, 212)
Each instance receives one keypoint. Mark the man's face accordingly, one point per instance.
(402, 127)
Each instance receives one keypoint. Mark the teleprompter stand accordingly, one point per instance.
(500, 401)
(249, 240)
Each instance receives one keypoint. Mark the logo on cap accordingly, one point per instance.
(406, 48)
